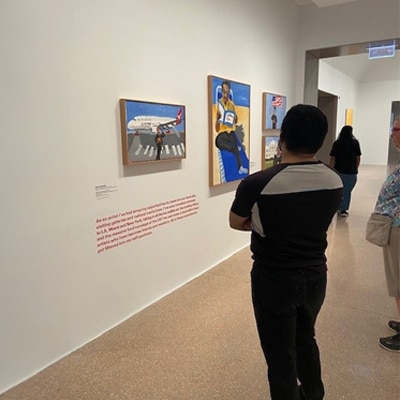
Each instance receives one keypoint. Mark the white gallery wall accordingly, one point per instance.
(371, 103)
(348, 23)
(65, 65)
(332, 81)
(373, 119)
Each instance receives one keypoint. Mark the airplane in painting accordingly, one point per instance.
(142, 131)
(149, 124)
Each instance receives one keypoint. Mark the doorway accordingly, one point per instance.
(328, 104)
(312, 95)
(393, 152)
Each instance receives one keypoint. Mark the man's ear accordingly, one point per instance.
(281, 142)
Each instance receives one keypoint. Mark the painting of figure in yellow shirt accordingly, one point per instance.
(229, 139)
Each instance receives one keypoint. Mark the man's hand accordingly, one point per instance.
(239, 223)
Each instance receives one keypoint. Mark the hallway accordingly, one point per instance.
(200, 342)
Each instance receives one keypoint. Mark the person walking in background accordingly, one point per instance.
(289, 273)
(388, 203)
(345, 157)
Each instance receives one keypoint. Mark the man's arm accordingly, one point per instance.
(239, 223)
(234, 110)
(358, 160)
(217, 122)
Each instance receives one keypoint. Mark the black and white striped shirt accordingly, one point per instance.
(291, 207)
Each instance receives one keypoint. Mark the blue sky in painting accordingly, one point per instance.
(241, 92)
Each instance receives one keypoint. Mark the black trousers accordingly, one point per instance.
(227, 141)
(286, 305)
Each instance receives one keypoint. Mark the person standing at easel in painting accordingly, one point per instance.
(159, 142)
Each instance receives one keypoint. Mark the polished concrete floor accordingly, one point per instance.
(200, 342)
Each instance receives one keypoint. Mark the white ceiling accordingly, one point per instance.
(361, 69)
(358, 66)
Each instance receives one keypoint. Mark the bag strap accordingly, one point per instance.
(396, 215)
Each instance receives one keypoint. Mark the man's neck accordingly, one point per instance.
(290, 158)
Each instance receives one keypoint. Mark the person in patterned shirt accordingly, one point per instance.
(388, 203)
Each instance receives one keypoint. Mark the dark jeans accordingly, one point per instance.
(286, 305)
(349, 181)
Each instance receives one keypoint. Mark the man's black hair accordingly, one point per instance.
(226, 83)
(304, 129)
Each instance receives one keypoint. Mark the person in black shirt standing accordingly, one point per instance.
(345, 158)
(288, 278)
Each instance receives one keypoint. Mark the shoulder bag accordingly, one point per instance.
(378, 229)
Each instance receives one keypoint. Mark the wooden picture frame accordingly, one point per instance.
(229, 130)
(274, 109)
(270, 154)
(152, 132)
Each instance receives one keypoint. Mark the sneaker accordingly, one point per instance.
(343, 213)
(243, 170)
(391, 343)
(394, 326)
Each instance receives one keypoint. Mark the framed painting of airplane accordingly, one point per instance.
(152, 132)
(229, 130)
(274, 109)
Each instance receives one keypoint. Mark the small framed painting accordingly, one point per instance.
(274, 109)
(349, 116)
(271, 154)
(152, 132)
(229, 130)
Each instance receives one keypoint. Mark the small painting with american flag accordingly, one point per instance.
(274, 109)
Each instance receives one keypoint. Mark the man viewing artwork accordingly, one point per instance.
(289, 272)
